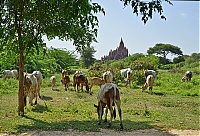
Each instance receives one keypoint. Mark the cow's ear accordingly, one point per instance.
(95, 106)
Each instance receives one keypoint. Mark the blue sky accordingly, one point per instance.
(180, 29)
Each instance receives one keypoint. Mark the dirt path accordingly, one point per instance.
(106, 132)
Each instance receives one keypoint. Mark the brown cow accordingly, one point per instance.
(95, 81)
(65, 79)
(80, 80)
(108, 96)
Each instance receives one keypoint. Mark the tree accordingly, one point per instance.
(164, 49)
(87, 56)
(24, 22)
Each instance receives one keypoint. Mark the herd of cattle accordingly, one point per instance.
(108, 94)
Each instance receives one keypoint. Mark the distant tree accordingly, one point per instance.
(164, 49)
(178, 59)
(87, 56)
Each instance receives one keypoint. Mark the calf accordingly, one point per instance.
(80, 80)
(53, 82)
(107, 77)
(148, 83)
(30, 88)
(66, 81)
(96, 81)
(108, 96)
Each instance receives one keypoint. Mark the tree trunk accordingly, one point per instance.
(21, 84)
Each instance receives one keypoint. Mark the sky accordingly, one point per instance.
(181, 29)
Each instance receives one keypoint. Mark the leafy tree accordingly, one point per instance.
(164, 50)
(87, 56)
(24, 22)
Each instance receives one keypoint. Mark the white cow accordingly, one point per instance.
(16, 74)
(7, 74)
(53, 81)
(38, 75)
(149, 72)
(107, 77)
(127, 73)
(30, 88)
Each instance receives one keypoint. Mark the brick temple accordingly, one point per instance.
(121, 52)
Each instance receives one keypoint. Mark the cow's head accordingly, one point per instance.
(98, 110)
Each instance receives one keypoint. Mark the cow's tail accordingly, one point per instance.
(115, 92)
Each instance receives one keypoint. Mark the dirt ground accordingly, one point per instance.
(107, 132)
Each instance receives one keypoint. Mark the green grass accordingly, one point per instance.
(168, 107)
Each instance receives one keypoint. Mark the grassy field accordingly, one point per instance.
(173, 104)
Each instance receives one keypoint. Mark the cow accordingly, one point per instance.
(149, 83)
(95, 81)
(16, 73)
(64, 72)
(7, 74)
(107, 77)
(80, 80)
(30, 88)
(53, 81)
(108, 96)
(188, 75)
(39, 77)
(149, 72)
(66, 81)
(127, 73)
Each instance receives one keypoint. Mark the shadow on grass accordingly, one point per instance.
(46, 98)
(90, 125)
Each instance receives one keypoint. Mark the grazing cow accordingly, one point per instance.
(30, 88)
(188, 75)
(38, 75)
(64, 72)
(53, 82)
(66, 81)
(108, 96)
(16, 74)
(96, 81)
(148, 83)
(127, 73)
(107, 77)
(7, 74)
(149, 72)
(80, 80)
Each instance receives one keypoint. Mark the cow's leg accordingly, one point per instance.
(25, 100)
(111, 115)
(65, 87)
(120, 113)
(100, 112)
(39, 91)
(106, 112)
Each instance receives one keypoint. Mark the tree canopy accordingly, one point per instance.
(164, 50)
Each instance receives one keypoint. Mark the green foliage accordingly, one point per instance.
(146, 8)
(163, 50)
(87, 57)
